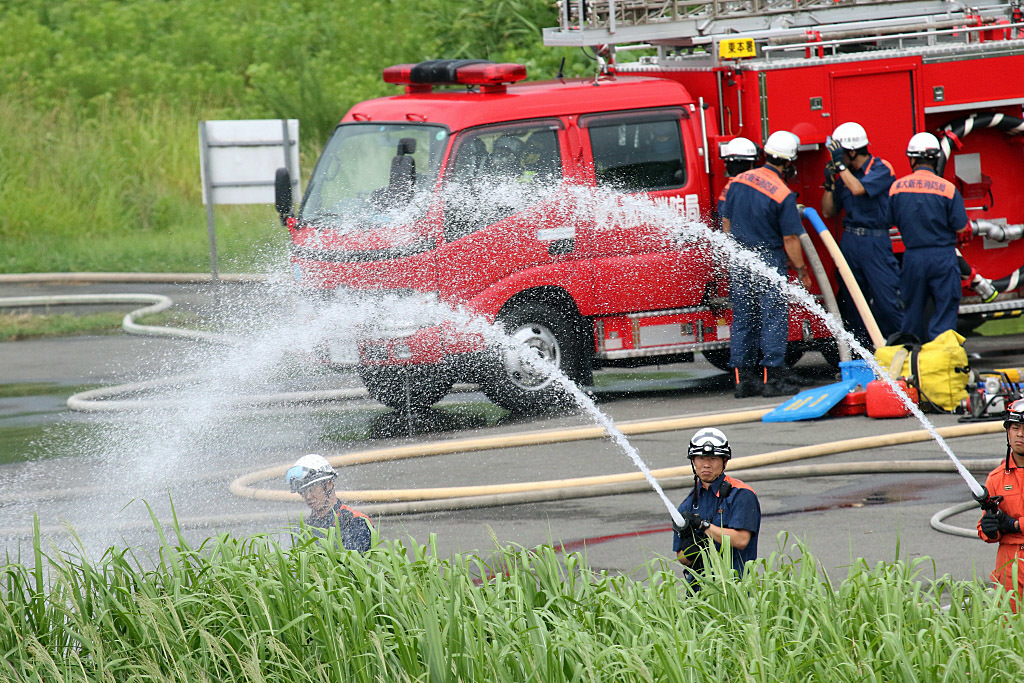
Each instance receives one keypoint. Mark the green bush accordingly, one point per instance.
(99, 161)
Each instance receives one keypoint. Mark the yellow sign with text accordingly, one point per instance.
(736, 48)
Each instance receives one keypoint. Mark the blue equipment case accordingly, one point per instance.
(811, 403)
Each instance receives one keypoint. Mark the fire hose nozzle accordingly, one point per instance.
(984, 288)
(986, 501)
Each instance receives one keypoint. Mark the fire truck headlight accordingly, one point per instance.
(401, 351)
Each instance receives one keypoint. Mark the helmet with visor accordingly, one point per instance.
(709, 442)
(1014, 414)
(308, 470)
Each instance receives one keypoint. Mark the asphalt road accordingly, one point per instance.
(98, 472)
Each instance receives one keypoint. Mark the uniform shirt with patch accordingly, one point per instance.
(927, 209)
(761, 209)
(739, 509)
(871, 209)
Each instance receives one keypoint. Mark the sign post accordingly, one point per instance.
(237, 163)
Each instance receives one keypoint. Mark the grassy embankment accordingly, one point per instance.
(234, 610)
(99, 160)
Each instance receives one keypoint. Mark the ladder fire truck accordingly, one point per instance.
(586, 292)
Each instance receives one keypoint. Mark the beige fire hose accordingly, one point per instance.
(751, 468)
(811, 256)
(844, 270)
(242, 486)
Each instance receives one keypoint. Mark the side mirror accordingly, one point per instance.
(283, 194)
(406, 146)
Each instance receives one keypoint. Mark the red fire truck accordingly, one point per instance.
(587, 291)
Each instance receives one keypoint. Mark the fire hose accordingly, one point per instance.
(951, 136)
(848, 279)
(811, 255)
(420, 500)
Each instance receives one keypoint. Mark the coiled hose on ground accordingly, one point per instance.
(383, 502)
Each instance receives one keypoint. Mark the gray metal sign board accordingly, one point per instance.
(238, 159)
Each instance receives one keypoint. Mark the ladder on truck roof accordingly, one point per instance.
(689, 23)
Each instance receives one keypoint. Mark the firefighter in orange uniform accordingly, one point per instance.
(1003, 525)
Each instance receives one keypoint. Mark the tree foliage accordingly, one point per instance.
(100, 101)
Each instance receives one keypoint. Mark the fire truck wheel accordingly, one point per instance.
(426, 385)
(717, 357)
(518, 385)
(830, 352)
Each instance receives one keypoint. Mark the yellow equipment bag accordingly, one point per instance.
(939, 369)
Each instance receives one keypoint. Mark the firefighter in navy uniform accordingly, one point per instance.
(313, 478)
(857, 183)
(930, 213)
(718, 506)
(760, 212)
(1003, 525)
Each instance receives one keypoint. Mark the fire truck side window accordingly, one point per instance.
(638, 156)
(493, 174)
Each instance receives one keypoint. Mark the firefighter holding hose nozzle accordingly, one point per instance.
(719, 506)
(1004, 508)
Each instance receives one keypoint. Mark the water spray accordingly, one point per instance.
(750, 262)
(505, 344)
(343, 318)
(977, 490)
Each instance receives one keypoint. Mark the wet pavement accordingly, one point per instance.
(839, 518)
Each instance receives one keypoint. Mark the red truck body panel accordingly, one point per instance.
(640, 293)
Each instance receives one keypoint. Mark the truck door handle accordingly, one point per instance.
(566, 246)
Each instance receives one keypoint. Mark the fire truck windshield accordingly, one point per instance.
(373, 174)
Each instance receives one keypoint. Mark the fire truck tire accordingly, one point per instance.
(426, 385)
(552, 334)
(718, 357)
(830, 352)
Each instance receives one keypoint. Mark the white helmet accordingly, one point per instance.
(850, 135)
(923, 146)
(308, 470)
(709, 441)
(782, 144)
(739, 149)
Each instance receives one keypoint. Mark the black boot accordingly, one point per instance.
(777, 384)
(794, 377)
(745, 382)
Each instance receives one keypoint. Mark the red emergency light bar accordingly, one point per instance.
(420, 77)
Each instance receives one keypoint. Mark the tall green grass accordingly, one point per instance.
(253, 610)
(99, 160)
